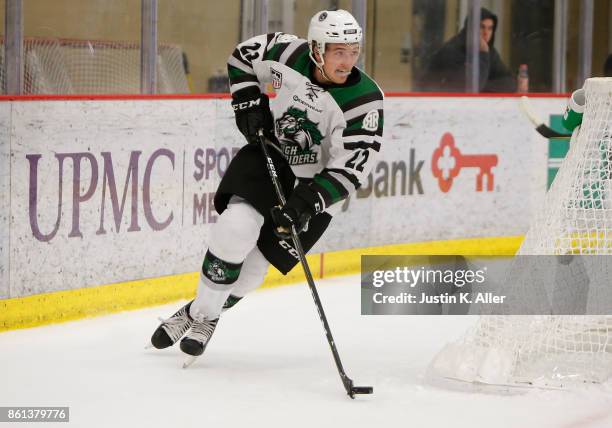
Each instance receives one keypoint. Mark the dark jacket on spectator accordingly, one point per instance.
(447, 67)
(608, 67)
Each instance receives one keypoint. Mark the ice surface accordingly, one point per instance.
(269, 365)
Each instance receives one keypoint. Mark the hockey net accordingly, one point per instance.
(576, 218)
(68, 66)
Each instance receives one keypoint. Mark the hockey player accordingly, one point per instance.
(324, 128)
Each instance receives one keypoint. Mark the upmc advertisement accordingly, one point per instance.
(129, 185)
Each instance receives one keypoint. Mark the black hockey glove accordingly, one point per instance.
(252, 114)
(302, 205)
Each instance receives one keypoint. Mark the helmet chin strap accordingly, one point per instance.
(325, 76)
(320, 64)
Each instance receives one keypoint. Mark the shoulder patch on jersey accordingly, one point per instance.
(277, 78)
(370, 121)
(286, 38)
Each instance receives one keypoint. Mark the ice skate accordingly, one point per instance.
(172, 329)
(194, 343)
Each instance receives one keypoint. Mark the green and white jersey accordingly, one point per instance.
(330, 133)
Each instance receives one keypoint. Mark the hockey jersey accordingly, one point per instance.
(328, 133)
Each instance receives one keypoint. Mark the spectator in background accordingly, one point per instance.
(447, 67)
(608, 67)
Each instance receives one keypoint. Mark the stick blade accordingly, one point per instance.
(541, 128)
(363, 390)
(547, 132)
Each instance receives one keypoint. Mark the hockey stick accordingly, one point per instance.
(346, 381)
(542, 129)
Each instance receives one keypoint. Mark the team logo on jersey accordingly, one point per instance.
(277, 78)
(298, 136)
(370, 121)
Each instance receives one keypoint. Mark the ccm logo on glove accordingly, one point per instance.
(247, 104)
(253, 114)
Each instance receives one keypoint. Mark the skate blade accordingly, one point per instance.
(189, 361)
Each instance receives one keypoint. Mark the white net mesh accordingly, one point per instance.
(576, 218)
(64, 66)
(577, 215)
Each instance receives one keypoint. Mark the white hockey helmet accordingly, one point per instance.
(332, 26)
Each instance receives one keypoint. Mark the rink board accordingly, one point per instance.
(61, 306)
(5, 189)
(108, 192)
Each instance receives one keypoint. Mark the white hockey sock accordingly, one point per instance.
(253, 272)
(232, 238)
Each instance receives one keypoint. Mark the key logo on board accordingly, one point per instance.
(447, 161)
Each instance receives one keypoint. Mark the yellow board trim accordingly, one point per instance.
(41, 309)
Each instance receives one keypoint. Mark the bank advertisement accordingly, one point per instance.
(450, 168)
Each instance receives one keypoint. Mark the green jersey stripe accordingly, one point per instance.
(363, 145)
(298, 56)
(332, 192)
(275, 53)
(364, 99)
(350, 177)
(362, 132)
(234, 72)
(363, 85)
